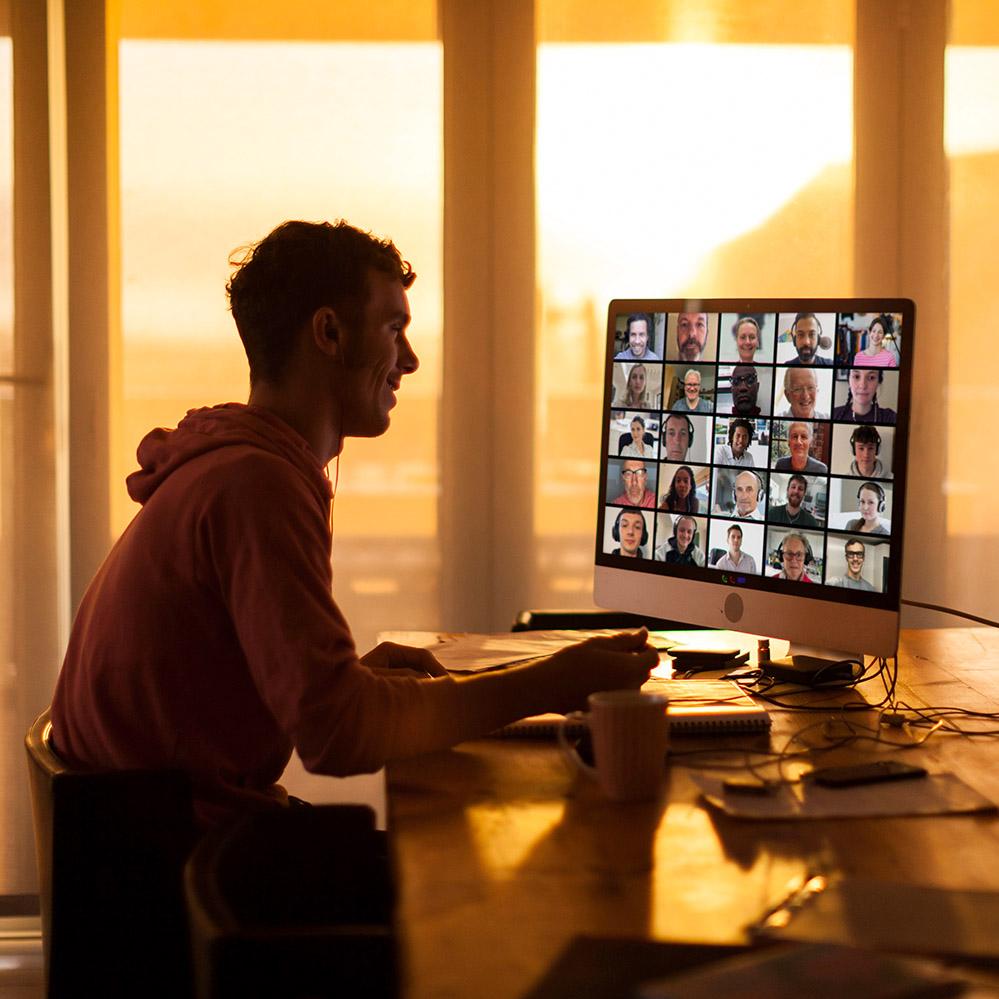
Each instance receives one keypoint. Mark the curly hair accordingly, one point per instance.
(279, 283)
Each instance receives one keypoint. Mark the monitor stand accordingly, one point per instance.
(811, 666)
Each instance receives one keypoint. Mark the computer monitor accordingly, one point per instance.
(754, 464)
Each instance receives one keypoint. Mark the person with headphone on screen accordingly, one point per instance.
(795, 553)
(678, 437)
(735, 452)
(681, 497)
(631, 533)
(638, 327)
(682, 548)
(748, 492)
(792, 511)
(865, 442)
(854, 551)
(691, 401)
(862, 404)
(806, 331)
(871, 501)
(209, 641)
(735, 559)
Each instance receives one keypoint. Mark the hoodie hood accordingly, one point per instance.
(161, 452)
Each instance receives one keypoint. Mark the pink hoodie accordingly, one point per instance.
(209, 639)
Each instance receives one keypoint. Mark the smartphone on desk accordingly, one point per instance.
(865, 773)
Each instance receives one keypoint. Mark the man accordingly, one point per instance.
(639, 329)
(801, 389)
(735, 452)
(853, 580)
(748, 493)
(691, 335)
(866, 444)
(680, 549)
(745, 389)
(209, 640)
(634, 478)
(792, 512)
(691, 401)
(799, 441)
(677, 437)
(793, 552)
(632, 533)
(806, 330)
(735, 559)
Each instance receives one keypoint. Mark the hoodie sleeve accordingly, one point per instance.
(268, 545)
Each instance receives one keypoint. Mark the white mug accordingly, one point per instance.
(630, 734)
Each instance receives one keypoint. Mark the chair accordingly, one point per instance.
(110, 851)
(293, 902)
(625, 439)
(576, 620)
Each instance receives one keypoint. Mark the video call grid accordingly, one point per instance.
(770, 412)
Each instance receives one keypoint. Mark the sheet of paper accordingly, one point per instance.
(937, 794)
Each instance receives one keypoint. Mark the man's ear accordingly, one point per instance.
(326, 332)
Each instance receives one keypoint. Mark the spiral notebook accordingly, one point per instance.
(696, 707)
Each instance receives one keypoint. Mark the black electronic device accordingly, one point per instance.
(865, 773)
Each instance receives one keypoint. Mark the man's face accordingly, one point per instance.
(375, 360)
(745, 388)
(868, 504)
(863, 387)
(746, 489)
(734, 541)
(747, 342)
(638, 336)
(806, 339)
(677, 438)
(854, 560)
(866, 455)
(799, 439)
(800, 391)
(634, 475)
(740, 441)
(630, 530)
(692, 387)
(691, 334)
(794, 558)
(795, 494)
(684, 533)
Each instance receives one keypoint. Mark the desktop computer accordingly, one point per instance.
(753, 469)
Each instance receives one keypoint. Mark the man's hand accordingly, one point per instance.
(611, 663)
(389, 659)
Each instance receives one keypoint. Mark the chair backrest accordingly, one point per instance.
(625, 439)
(293, 902)
(110, 847)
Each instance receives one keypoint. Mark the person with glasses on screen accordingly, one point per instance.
(854, 551)
(794, 555)
(634, 479)
(639, 329)
(691, 401)
(735, 559)
(745, 388)
(209, 640)
(801, 389)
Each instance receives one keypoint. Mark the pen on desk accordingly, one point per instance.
(778, 917)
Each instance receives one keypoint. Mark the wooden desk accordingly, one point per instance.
(504, 855)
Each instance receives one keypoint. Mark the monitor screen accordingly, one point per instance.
(753, 465)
